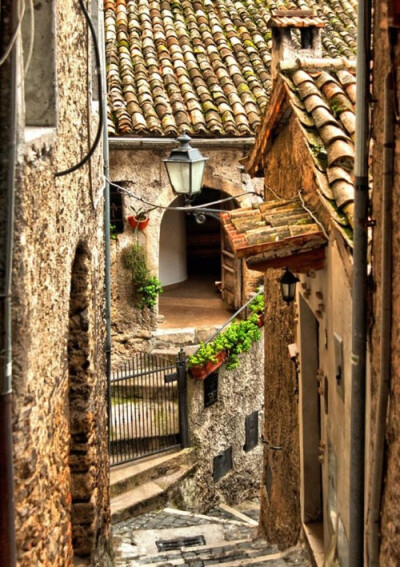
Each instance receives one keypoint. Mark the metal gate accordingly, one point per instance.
(147, 407)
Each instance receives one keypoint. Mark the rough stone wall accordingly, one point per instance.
(222, 425)
(280, 502)
(53, 406)
(280, 496)
(390, 512)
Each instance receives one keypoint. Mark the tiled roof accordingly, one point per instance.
(201, 66)
(270, 230)
(323, 95)
(297, 19)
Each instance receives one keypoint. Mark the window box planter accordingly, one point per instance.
(201, 371)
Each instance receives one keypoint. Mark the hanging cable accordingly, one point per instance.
(188, 208)
(32, 37)
(313, 216)
(100, 90)
(21, 11)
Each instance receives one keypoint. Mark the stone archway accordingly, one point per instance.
(82, 453)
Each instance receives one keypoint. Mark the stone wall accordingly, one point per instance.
(280, 492)
(390, 511)
(60, 429)
(280, 489)
(215, 428)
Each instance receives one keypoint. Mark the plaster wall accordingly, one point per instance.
(328, 295)
(173, 265)
(61, 498)
(222, 425)
(390, 505)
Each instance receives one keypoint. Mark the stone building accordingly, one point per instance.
(50, 112)
(305, 152)
(200, 67)
(382, 535)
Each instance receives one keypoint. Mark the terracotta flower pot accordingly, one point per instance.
(199, 372)
(136, 223)
(211, 366)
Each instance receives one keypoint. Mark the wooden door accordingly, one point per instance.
(231, 275)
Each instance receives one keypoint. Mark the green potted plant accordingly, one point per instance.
(257, 307)
(199, 364)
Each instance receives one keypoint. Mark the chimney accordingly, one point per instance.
(295, 33)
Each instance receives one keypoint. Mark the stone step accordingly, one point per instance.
(129, 475)
(230, 554)
(149, 495)
(164, 338)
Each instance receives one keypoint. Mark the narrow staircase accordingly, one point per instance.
(149, 483)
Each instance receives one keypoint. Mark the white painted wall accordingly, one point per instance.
(173, 265)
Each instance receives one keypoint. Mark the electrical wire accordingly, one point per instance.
(313, 216)
(100, 90)
(32, 37)
(15, 34)
(188, 208)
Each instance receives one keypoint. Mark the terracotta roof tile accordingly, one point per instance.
(267, 228)
(329, 104)
(204, 65)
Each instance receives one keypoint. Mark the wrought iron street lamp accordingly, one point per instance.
(288, 286)
(185, 168)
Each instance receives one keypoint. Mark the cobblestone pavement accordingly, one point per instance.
(228, 541)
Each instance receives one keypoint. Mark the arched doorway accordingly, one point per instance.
(190, 265)
(81, 423)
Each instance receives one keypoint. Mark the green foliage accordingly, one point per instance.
(235, 340)
(258, 304)
(146, 287)
(205, 353)
(113, 232)
(149, 292)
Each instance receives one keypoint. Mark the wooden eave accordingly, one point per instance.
(253, 163)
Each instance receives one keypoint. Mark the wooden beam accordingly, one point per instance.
(298, 263)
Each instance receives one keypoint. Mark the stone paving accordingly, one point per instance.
(228, 541)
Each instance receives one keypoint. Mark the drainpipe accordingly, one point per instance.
(359, 297)
(385, 326)
(107, 259)
(8, 150)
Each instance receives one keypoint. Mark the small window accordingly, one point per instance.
(116, 210)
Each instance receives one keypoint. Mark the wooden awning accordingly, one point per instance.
(276, 234)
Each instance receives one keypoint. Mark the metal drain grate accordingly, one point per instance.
(171, 544)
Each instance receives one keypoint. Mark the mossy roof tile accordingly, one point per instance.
(206, 51)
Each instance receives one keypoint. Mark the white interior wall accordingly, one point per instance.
(173, 264)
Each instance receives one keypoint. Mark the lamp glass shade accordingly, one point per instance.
(179, 176)
(288, 286)
(185, 168)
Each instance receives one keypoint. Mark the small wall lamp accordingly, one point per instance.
(185, 168)
(288, 286)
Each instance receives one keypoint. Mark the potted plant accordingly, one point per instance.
(205, 361)
(257, 307)
(140, 219)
